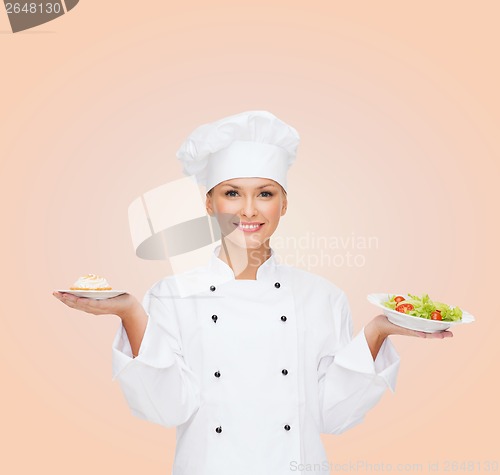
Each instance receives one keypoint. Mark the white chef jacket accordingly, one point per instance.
(251, 371)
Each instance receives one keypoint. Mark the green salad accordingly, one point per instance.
(423, 307)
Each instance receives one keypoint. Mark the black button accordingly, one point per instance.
(283, 318)
(287, 427)
(277, 285)
(214, 318)
(218, 430)
(217, 374)
(284, 371)
(212, 288)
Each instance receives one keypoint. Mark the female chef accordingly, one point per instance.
(258, 360)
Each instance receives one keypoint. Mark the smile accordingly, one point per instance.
(252, 227)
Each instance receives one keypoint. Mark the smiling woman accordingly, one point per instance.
(248, 211)
(252, 368)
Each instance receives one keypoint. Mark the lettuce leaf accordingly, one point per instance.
(423, 307)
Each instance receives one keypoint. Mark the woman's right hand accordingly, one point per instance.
(122, 305)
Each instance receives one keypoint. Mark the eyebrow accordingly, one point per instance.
(259, 187)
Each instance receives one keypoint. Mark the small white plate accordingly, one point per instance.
(95, 294)
(415, 323)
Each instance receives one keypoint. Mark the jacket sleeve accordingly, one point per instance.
(350, 382)
(158, 385)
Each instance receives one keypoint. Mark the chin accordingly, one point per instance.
(250, 244)
(245, 242)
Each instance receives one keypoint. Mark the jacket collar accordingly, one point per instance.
(265, 272)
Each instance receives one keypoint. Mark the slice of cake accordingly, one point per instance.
(91, 282)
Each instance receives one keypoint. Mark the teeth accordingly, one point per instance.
(249, 226)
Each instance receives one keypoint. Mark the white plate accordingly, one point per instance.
(95, 294)
(415, 323)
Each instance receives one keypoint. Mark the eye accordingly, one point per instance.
(267, 194)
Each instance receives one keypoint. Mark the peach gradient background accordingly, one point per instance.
(397, 106)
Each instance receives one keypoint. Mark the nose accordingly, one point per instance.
(249, 208)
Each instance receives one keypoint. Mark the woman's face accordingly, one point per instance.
(248, 210)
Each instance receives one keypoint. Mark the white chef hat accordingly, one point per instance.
(249, 144)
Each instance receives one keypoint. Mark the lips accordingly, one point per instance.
(249, 227)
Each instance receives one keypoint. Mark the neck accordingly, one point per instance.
(244, 261)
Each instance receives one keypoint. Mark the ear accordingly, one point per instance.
(284, 206)
(208, 205)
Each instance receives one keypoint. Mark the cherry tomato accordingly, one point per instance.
(399, 299)
(436, 315)
(404, 307)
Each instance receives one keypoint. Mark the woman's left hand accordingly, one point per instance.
(380, 328)
(385, 328)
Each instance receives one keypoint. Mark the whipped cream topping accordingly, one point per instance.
(91, 282)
